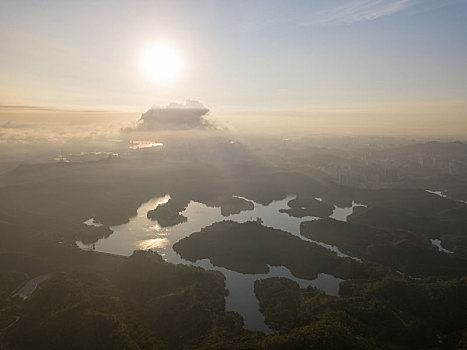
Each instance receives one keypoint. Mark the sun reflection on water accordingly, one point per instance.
(144, 144)
(153, 243)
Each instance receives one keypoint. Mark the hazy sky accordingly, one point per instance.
(269, 54)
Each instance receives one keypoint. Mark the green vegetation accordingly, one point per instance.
(103, 301)
(401, 250)
(451, 232)
(230, 205)
(81, 310)
(91, 234)
(249, 247)
(308, 206)
(135, 302)
(168, 214)
(390, 313)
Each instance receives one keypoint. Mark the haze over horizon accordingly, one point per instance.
(384, 56)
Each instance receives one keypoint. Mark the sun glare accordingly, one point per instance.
(161, 63)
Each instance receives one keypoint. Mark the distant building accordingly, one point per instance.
(61, 158)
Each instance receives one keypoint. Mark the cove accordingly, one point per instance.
(142, 233)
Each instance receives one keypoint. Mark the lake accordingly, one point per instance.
(142, 233)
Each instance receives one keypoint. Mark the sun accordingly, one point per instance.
(161, 63)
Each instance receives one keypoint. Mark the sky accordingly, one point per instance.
(267, 55)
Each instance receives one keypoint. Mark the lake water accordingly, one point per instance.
(144, 144)
(443, 195)
(142, 233)
(437, 243)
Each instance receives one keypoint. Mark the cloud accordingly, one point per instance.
(29, 108)
(41, 127)
(29, 124)
(362, 10)
(12, 125)
(57, 131)
(46, 134)
(175, 116)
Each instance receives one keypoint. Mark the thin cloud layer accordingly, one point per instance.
(12, 125)
(57, 130)
(45, 133)
(362, 10)
(30, 108)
